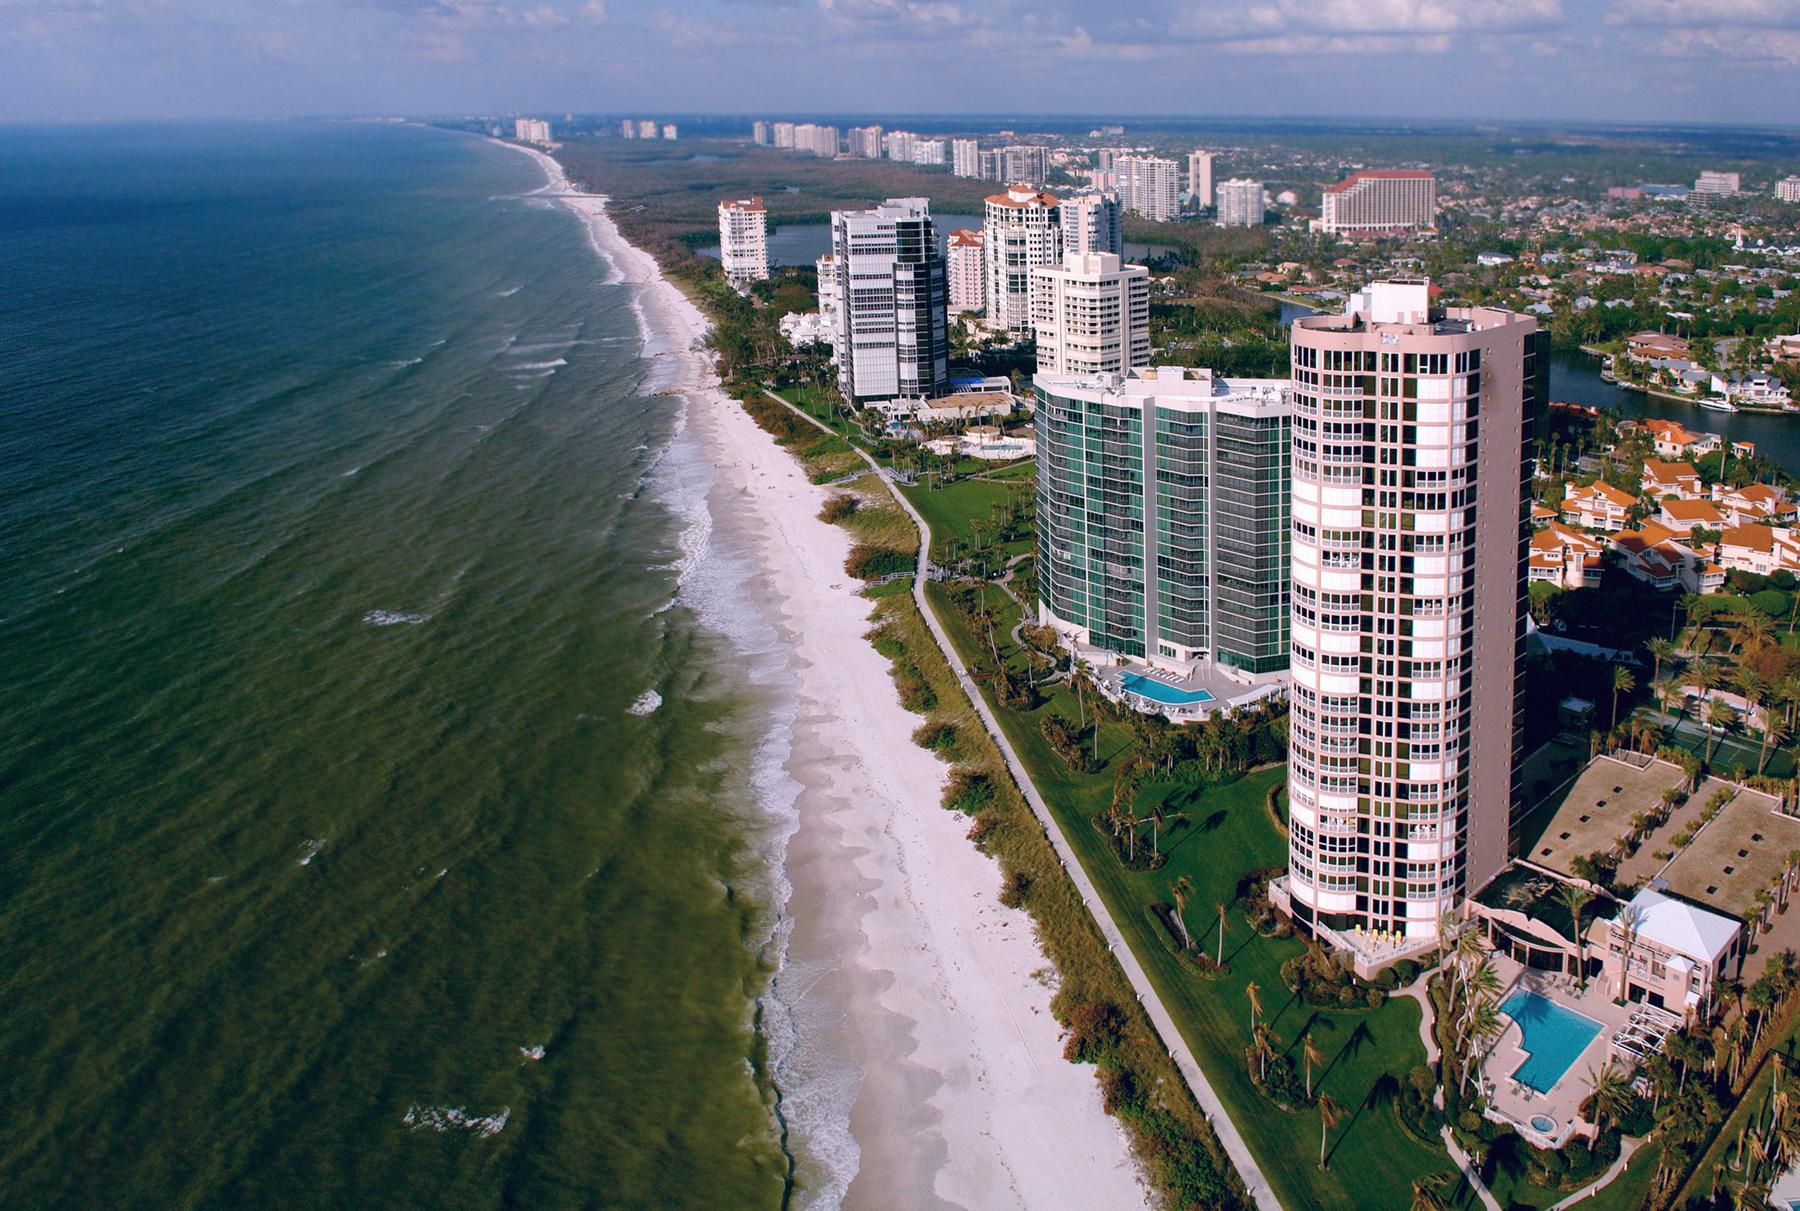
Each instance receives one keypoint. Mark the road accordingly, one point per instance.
(1235, 1147)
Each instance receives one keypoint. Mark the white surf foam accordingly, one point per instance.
(533, 1053)
(646, 703)
(508, 293)
(455, 1118)
(394, 618)
(310, 850)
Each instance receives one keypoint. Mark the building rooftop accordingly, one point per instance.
(1597, 808)
(1743, 850)
(1682, 927)
(1380, 174)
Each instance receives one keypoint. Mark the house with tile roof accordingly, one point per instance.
(1682, 516)
(1671, 479)
(1598, 506)
(1754, 502)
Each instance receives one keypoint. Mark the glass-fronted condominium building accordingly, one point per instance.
(890, 291)
(1414, 429)
(1163, 515)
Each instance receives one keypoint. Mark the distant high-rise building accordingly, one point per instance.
(1240, 203)
(671, 131)
(989, 163)
(1162, 516)
(893, 339)
(865, 141)
(783, 133)
(647, 128)
(743, 241)
(1091, 222)
(826, 267)
(1383, 202)
(1788, 189)
(1722, 183)
(628, 128)
(965, 157)
(968, 271)
(1091, 315)
(1022, 231)
(759, 132)
(1200, 178)
(531, 130)
(1147, 186)
(820, 140)
(900, 144)
(928, 151)
(1409, 605)
(1022, 162)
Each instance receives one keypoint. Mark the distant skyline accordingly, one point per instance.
(1732, 61)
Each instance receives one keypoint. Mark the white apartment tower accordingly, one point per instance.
(1788, 189)
(928, 151)
(1384, 202)
(1022, 231)
(627, 128)
(1200, 178)
(1021, 162)
(671, 131)
(1718, 184)
(647, 128)
(1091, 223)
(892, 340)
(968, 271)
(820, 140)
(743, 241)
(965, 157)
(865, 141)
(899, 144)
(1240, 203)
(783, 134)
(1408, 610)
(1091, 315)
(531, 130)
(1148, 186)
(759, 131)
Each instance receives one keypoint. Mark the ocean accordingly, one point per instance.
(383, 772)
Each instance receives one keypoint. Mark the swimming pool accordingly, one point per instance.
(1156, 691)
(1553, 1036)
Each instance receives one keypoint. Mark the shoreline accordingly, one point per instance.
(923, 1067)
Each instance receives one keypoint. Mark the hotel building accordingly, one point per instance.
(892, 340)
(1022, 231)
(1414, 433)
(1147, 186)
(743, 241)
(968, 271)
(1091, 315)
(1382, 202)
(1091, 222)
(1200, 178)
(1163, 517)
(1240, 203)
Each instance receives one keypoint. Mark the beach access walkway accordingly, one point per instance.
(1233, 1142)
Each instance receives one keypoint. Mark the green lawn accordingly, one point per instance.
(952, 509)
(1227, 834)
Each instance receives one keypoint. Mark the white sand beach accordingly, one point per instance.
(925, 1001)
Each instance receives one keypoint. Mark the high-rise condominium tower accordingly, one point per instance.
(1240, 203)
(743, 241)
(1163, 516)
(892, 335)
(865, 141)
(965, 157)
(1091, 315)
(1148, 185)
(968, 271)
(1414, 432)
(1200, 177)
(1384, 202)
(1091, 223)
(1022, 231)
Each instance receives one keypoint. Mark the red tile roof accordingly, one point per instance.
(1379, 174)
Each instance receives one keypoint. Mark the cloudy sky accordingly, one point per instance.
(1698, 60)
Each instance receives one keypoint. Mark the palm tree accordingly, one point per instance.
(1703, 675)
(1665, 694)
(1182, 889)
(1254, 992)
(1575, 899)
(1660, 649)
(1484, 1024)
(1330, 1115)
(1622, 683)
(1611, 1096)
(1310, 1051)
(1428, 1192)
(1262, 1049)
(1630, 917)
(1221, 907)
(1720, 716)
(1775, 732)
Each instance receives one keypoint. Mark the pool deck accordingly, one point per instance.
(1229, 688)
(1518, 1104)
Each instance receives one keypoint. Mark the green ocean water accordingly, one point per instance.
(334, 574)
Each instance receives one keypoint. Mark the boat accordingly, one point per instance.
(1717, 405)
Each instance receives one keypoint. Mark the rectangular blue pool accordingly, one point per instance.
(1156, 691)
(1553, 1036)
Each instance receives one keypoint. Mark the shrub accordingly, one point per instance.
(1093, 1029)
(968, 792)
(982, 829)
(839, 507)
(937, 737)
(1118, 1088)
(1013, 888)
(870, 562)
